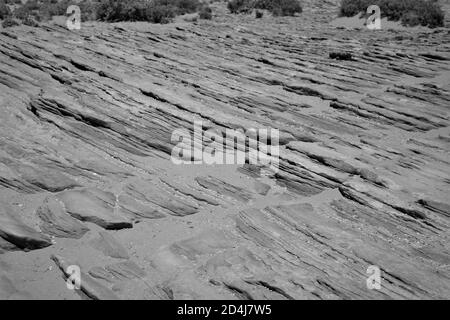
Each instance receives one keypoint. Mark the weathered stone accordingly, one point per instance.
(126, 270)
(89, 286)
(138, 209)
(110, 246)
(13, 230)
(361, 177)
(57, 222)
(96, 206)
(146, 191)
(225, 189)
(261, 188)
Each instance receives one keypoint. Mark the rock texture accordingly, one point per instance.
(88, 286)
(363, 178)
(56, 221)
(16, 233)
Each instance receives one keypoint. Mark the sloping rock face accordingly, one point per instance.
(86, 174)
(16, 233)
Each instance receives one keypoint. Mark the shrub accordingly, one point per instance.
(205, 13)
(120, 10)
(350, 8)
(10, 22)
(410, 12)
(88, 10)
(258, 14)
(277, 7)
(27, 9)
(411, 18)
(4, 10)
(284, 7)
(185, 6)
(30, 21)
(240, 6)
(38, 10)
(43, 10)
(157, 11)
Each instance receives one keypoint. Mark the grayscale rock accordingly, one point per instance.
(146, 154)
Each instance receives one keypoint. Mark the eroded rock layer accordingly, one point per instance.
(86, 175)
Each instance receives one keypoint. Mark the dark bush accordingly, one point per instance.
(10, 22)
(88, 10)
(157, 11)
(29, 8)
(277, 7)
(350, 8)
(185, 6)
(205, 13)
(240, 6)
(121, 10)
(411, 18)
(30, 21)
(41, 10)
(285, 7)
(4, 10)
(258, 14)
(44, 10)
(410, 12)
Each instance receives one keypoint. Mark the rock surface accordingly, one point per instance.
(363, 177)
(110, 246)
(88, 286)
(94, 206)
(17, 233)
(57, 222)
